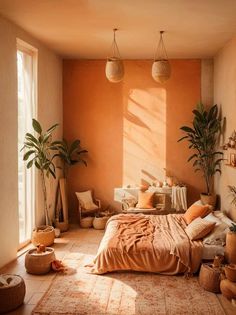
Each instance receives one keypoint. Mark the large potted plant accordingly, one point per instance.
(202, 137)
(70, 154)
(230, 248)
(38, 150)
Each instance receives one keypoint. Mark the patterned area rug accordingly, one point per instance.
(124, 293)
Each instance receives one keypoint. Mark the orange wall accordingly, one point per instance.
(130, 128)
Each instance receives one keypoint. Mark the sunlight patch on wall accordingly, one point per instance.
(144, 136)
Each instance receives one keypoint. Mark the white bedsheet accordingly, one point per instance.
(209, 251)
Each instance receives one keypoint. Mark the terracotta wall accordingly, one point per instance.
(131, 128)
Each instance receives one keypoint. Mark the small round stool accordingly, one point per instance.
(12, 292)
(39, 263)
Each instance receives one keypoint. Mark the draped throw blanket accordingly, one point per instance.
(147, 243)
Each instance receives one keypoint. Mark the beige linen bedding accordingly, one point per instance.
(147, 243)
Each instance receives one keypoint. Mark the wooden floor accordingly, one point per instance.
(36, 286)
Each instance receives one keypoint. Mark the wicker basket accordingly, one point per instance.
(209, 278)
(100, 223)
(86, 222)
(11, 296)
(161, 70)
(44, 234)
(39, 263)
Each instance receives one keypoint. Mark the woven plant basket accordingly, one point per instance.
(44, 234)
(11, 296)
(100, 223)
(87, 222)
(209, 278)
(114, 69)
(39, 263)
(161, 70)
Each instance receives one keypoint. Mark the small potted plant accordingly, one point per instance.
(230, 249)
(38, 150)
(202, 137)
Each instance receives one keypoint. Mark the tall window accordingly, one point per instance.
(27, 92)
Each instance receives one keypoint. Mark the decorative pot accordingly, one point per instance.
(208, 199)
(230, 247)
(114, 69)
(161, 70)
(12, 294)
(43, 234)
(230, 272)
(100, 223)
(86, 222)
(39, 263)
(228, 289)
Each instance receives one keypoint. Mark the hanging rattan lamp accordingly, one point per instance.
(161, 70)
(114, 65)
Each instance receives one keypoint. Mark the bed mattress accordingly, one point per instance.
(147, 243)
(209, 251)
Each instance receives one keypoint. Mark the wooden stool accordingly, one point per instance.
(209, 278)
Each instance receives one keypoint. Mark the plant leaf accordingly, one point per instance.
(36, 125)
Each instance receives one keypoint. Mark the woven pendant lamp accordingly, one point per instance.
(114, 65)
(161, 70)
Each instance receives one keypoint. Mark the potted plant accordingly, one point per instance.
(70, 154)
(38, 151)
(230, 248)
(202, 137)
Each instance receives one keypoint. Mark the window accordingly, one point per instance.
(27, 88)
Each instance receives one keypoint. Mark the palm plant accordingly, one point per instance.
(38, 149)
(202, 137)
(70, 154)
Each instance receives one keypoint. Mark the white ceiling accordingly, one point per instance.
(83, 28)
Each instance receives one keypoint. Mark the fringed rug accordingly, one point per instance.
(124, 293)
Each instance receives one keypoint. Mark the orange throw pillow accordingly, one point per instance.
(145, 200)
(196, 211)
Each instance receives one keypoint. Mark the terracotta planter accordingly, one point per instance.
(230, 248)
(230, 272)
(228, 289)
(208, 199)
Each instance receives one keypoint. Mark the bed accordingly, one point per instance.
(150, 243)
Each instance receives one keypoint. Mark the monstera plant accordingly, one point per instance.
(38, 151)
(202, 136)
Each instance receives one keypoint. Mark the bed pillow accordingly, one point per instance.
(199, 228)
(145, 200)
(86, 200)
(212, 218)
(218, 235)
(196, 211)
(220, 215)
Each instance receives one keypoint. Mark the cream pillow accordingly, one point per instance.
(199, 228)
(86, 200)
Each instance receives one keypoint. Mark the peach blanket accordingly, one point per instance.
(147, 243)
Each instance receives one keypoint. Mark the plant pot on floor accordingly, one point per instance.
(208, 199)
(43, 234)
(230, 247)
(39, 263)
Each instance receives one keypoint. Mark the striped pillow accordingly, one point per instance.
(199, 228)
